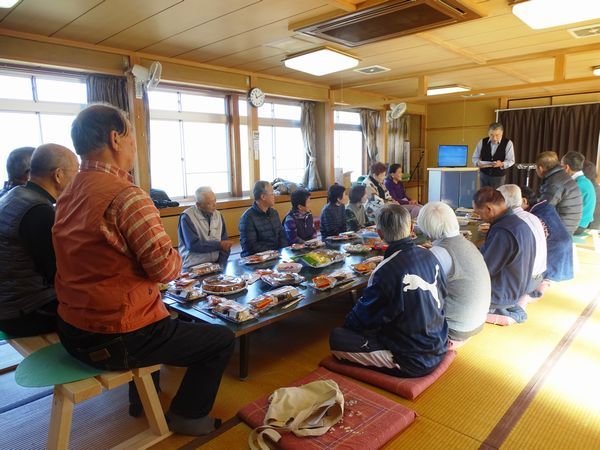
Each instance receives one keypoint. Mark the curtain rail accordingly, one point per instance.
(545, 106)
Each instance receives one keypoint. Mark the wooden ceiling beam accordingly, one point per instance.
(559, 67)
(346, 5)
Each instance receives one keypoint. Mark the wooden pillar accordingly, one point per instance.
(235, 161)
(137, 117)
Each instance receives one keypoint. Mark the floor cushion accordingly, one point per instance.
(370, 420)
(409, 388)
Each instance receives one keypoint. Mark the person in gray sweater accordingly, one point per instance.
(469, 286)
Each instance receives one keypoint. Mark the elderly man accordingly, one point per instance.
(493, 155)
(260, 227)
(514, 200)
(469, 288)
(398, 325)
(202, 233)
(27, 299)
(573, 162)
(111, 251)
(559, 190)
(509, 253)
(18, 166)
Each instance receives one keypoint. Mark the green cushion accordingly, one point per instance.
(4, 336)
(52, 365)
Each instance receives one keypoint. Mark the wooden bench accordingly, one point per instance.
(67, 395)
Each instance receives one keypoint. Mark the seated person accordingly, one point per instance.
(111, 251)
(378, 193)
(27, 299)
(509, 253)
(260, 226)
(514, 200)
(393, 183)
(559, 264)
(398, 325)
(356, 216)
(559, 189)
(589, 170)
(572, 162)
(202, 233)
(468, 281)
(333, 216)
(18, 166)
(298, 223)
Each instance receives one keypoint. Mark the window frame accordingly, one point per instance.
(351, 127)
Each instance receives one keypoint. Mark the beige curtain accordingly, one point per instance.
(311, 179)
(369, 122)
(398, 139)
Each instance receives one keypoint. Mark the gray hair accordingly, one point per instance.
(512, 195)
(18, 163)
(437, 220)
(394, 222)
(260, 188)
(199, 194)
(49, 157)
(495, 126)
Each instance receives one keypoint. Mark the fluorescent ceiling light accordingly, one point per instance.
(8, 3)
(551, 13)
(450, 89)
(320, 61)
(596, 71)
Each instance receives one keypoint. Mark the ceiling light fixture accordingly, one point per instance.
(449, 89)
(596, 71)
(539, 14)
(320, 61)
(8, 3)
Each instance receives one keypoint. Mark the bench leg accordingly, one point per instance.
(151, 404)
(61, 418)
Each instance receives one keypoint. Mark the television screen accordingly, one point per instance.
(453, 155)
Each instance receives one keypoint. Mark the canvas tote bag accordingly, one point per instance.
(308, 410)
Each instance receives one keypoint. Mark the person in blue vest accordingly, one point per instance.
(18, 166)
(509, 253)
(398, 325)
(572, 162)
(202, 232)
(493, 155)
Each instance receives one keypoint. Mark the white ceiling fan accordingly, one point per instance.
(396, 111)
(148, 77)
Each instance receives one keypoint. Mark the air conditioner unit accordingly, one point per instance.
(389, 20)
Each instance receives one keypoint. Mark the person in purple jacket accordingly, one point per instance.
(298, 223)
(393, 183)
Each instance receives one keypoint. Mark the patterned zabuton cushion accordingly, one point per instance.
(408, 388)
(370, 420)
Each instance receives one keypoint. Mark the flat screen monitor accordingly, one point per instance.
(453, 155)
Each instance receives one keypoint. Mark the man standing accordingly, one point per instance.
(509, 253)
(202, 233)
(18, 166)
(559, 190)
(111, 251)
(573, 162)
(398, 325)
(27, 268)
(260, 227)
(493, 155)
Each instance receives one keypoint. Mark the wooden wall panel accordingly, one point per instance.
(460, 114)
(294, 90)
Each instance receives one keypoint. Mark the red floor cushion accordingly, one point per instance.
(370, 420)
(408, 388)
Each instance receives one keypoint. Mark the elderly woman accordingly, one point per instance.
(393, 184)
(469, 287)
(378, 193)
(356, 216)
(333, 217)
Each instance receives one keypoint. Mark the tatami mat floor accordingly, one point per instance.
(495, 369)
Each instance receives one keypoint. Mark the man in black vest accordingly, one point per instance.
(493, 155)
(27, 262)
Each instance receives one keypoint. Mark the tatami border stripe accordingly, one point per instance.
(512, 416)
(225, 426)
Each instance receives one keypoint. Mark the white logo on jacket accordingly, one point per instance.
(414, 282)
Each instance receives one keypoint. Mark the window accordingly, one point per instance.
(282, 152)
(37, 109)
(188, 142)
(348, 143)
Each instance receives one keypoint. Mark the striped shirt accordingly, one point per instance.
(133, 227)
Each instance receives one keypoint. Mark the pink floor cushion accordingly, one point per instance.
(409, 388)
(369, 422)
